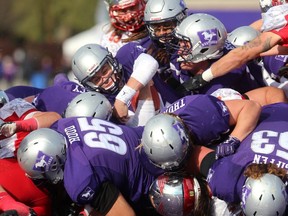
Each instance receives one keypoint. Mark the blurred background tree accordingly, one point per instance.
(31, 36)
(46, 21)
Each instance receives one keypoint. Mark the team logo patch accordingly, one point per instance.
(182, 4)
(208, 37)
(87, 194)
(210, 175)
(223, 108)
(282, 58)
(42, 162)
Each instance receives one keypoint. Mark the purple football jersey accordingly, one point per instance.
(239, 79)
(55, 98)
(100, 151)
(274, 63)
(128, 54)
(266, 144)
(205, 116)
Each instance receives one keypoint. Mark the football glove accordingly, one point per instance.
(227, 147)
(194, 83)
(8, 129)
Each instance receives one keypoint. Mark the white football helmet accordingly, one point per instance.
(264, 196)
(42, 154)
(163, 11)
(203, 36)
(265, 5)
(242, 35)
(88, 60)
(165, 141)
(89, 104)
(135, 8)
(174, 194)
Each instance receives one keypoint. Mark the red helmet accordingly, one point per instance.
(126, 15)
(265, 5)
(174, 194)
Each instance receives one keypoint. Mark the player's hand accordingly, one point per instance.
(8, 129)
(120, 111)
(194, 83)
(227, 147)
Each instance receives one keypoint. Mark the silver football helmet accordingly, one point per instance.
(88, 60)
(265, 5)
(264, 196)
(242, 35)
(201, 37)
(89, 104)
(3, 98)
(42, 154)
(174, 194)
(165, 141)
(161, 12)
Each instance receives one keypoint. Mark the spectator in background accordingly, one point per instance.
(40, 78)
(9, 68)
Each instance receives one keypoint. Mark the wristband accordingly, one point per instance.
(126, 94)
(207, 75)
(27, 125)
(141, 73)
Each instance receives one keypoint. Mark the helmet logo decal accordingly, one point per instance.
(92, 68)
(245, 194)
(43, 162)
(178, 127)
(87, 194)
(208, 37)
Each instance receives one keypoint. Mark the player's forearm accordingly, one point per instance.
(46, 119)
(229, 62)
(246, 120)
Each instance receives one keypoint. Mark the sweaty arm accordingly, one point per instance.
(200, 160)
(109, 201)
(244, 115)
(31, 122)
(240, 55)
